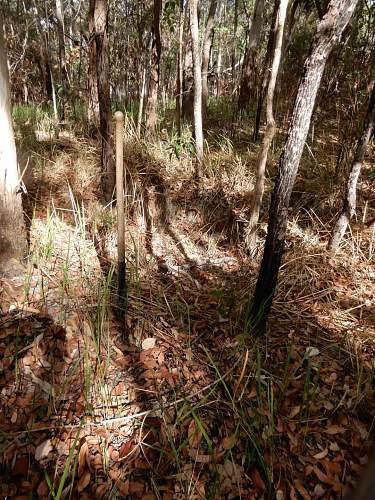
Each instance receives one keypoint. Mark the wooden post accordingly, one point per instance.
(121, 269)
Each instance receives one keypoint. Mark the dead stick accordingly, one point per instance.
(121, 270)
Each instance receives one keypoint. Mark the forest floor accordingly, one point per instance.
(178, 400)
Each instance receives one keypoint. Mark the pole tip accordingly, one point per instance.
(119, 116)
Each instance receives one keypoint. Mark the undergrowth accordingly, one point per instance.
(179, 400)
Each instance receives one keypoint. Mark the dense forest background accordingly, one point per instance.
(206, 327)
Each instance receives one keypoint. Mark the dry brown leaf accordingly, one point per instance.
(101, 490)
(335, 429)
(43, 450)
(258, 481)
(194, 434)
(321, 455)
(84, 481)
(321, 476)
(294, 411)
(334, 447)
(148, 343)
(82, 458)
(123, 487)
(319, 491)
(125, 449)
(229, 442)
(301, 489)
(119, 389)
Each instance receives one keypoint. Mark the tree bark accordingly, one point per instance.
(248, 66)
(207, 44)
(350, 199)
(151, 115)
(251, 231)
(62, 61)
(13, 244)
(44, 53)
(198, 126)
(328, 33)
(141, 100)
(235, 29)
(93, 113)
(188, 75)
(266, 68)
(219, 64)
(99, 8)
(180, 68)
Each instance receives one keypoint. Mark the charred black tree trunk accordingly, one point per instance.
(328, 33)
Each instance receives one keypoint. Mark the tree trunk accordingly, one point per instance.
(141, 100)
(188, 76)
(235, 29)
(62, 62)
(13, 244)
(198, 127)
(100, 20)
(219, 64)
(266, 68)
(44, 53)
(180, 68)
(151, 115)
(328, 33)
(93, 113)
(350, 199)
(207, 44)
(251, 231)
(248, 66)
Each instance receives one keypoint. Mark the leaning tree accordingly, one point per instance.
(328, 33)
(350, 197)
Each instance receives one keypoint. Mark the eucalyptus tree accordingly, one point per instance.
(151, 115)
(328, 33)
(207, 44)
(269, 134)
(13, 245)
(198, 125)
(350, 197)
(248, 66)
(98, 20)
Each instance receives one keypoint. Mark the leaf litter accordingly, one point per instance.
(176, 402)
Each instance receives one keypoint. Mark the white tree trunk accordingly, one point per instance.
(198, 126)
(12, 229)
(350, 199)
